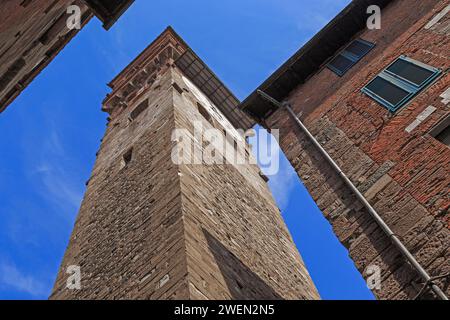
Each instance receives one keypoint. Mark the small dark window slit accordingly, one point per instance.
(178, 88)
(127, 157)
(138, 110)
(204, 113)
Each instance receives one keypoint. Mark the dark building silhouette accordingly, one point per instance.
(150, 228)
(33, 32)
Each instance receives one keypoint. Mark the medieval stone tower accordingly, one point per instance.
(149, 228)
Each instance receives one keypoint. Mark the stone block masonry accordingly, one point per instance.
(151, 229)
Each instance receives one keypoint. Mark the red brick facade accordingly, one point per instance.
(32, 33)
(404, 175)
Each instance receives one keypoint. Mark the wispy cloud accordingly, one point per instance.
(310, 15)
(58, 186)
(283, 184)
(48, 167)
(12, 278)
(58, 183)
(115, 60)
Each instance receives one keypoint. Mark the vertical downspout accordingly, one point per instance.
(378, 219)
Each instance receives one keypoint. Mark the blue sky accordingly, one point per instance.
(51, 133)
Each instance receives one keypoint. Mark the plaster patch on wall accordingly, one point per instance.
(164, 280)
(420, 118)
(437, 17)
(445, 96)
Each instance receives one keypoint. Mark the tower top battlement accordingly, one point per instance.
(170, 50)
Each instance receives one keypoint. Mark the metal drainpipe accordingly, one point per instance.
(395, 240)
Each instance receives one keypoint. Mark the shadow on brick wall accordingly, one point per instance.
(242, 283)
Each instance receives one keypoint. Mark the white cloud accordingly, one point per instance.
(283, 184)
(58, 183)
(59, 187)
(12, 278)
(48, 166)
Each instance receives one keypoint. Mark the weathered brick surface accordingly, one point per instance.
(405, 176)
(32, 33)
(129, 233)
(156, 230)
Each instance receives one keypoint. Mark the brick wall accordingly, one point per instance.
(237, 244)
(32, 33)
(405, 176)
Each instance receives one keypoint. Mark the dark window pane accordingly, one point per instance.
(358, 48)
(341, 63)
(444, 136)
(387, 90)
(410, 71)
